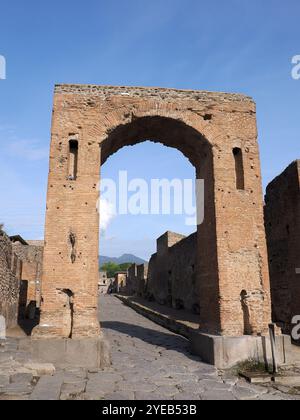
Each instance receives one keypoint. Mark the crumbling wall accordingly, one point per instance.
(282, 221)
(104, 283)
(183, 274)
(10, 270)
(142, 276)
(172, 272)
(31, 255)
(132, 280)
(119, 285)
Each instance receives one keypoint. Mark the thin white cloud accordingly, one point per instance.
(107, 214)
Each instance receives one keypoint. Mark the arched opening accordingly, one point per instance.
(158, 226)
(162, 281)
(167, 131)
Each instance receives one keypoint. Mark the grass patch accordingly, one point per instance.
(248, 366)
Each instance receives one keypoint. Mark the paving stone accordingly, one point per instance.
(72, 391)
(71, 397)
(154, 366)
(193, 388)
(137, 378)
(5, 357)
(136, 386)
(184, 378)
(120, 396)
(230, 379)
(80, 373)
(272, 397)
(105, 377)
(14, 397)
(71, 378)
(167, 391)
(94, 396)
(244, 393)
(212, 395)
(97, 389)
(203, 369)
(215, 385)
(178, 369)
(4, 380)
(16, 389)
(25, 378)
(165, 382)
(182, 396)
(291, 380)
(48, 388)
(149, 396)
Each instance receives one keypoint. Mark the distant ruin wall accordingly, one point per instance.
(142, 276)
(10, 270)
(282, 220)
(32, 259)
(172, 273)
(132, 280)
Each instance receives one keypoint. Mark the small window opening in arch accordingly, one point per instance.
(239, 168)
(246, 313)
(73, 159)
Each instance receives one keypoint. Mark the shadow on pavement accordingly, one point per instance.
(156, 338)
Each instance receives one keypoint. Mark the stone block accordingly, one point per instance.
(77, 353)
(226, 352)
(47, 389)
(40, 369)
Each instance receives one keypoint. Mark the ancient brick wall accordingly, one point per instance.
(10, 268)
(142, 276)
(172, 273)
(132, 280)
(282, 220)
(217, 132)
(31, 255)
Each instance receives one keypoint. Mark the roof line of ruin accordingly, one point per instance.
(293, 166)
(151, 91)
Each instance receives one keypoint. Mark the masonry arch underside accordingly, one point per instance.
(195, 147)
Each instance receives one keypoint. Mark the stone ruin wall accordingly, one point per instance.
(282, 220)
(10, 273)
(142, 276)
(172, 272)
(170, 277)
(31, 255)
(120, 283)
(136, 281)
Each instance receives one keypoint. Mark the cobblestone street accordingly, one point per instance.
(149, 363)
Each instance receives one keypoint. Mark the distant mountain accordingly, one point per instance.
(126, 258)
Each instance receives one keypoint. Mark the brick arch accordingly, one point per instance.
(173, 131)
(208, 128)
(129, 112)
(159, 129)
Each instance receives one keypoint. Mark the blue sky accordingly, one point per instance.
(236, 46)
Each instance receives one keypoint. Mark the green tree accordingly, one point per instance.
(112, 268)
(125, 266)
